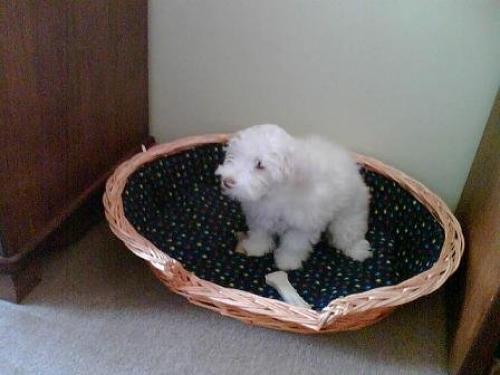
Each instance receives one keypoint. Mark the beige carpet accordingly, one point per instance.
(99, 310)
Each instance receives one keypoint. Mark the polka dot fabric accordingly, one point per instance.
(176, 203)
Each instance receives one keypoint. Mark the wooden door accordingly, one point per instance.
(73, 102)
(478, 329)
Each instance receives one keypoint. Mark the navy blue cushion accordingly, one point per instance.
(176, 203)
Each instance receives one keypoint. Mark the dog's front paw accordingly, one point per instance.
(360, 251)
(287, 262)
(257, 245)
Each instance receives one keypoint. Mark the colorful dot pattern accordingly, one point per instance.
(176, 203)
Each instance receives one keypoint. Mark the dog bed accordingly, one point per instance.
(166, 205)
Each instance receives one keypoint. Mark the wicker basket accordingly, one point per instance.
(347, 313)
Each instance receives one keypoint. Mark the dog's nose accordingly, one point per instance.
(228, 182)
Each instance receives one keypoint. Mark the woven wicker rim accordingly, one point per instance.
(350, 312)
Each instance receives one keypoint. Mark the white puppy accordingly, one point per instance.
(295, 189)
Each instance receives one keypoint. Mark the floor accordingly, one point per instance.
(99, 310)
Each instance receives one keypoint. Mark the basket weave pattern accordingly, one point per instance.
(347, 313)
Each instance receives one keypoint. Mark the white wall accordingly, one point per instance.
(409, 82)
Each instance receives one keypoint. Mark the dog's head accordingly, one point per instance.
(257, 160)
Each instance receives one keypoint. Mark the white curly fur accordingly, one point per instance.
(295, 188)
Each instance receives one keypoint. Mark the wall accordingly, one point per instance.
(411, 83)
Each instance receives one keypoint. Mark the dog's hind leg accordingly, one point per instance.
(347, 233)
(295, 247)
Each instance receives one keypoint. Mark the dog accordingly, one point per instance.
(294, 189)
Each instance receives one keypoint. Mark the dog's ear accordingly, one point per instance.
(286, 163)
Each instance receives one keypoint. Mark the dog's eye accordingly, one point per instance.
(259, 165)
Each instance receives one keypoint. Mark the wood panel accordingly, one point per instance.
(73, 101)
(478, 328)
